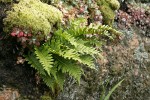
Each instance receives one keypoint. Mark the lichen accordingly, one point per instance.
(32, 15)
(140, 53)
(108, 7)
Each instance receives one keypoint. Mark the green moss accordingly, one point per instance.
(50, 1)
(107, 7)
(46, 98)
(114, 4)
(32, 15)
(6, 1)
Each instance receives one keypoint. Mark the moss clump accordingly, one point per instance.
(107, 7)
(5, 1)
(32, 15)
(114, 4)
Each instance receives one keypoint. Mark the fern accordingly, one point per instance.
(77, 29)
(49, 81)
(44, 58)
(78, 46)
(70, 67)
(60, 79)
(31, 58)
(54, 83)
(72, 54)
(67, 51)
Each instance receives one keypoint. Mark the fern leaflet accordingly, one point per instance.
(45, 58)
(70, 67)
(31, 58)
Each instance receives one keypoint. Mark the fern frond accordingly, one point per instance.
(60, 79)
(72, 54)
(45, 58)
(78, 28)
(31, 58)
(70, 67)
(78, 46)
(88, 60)
(49, 81)
(53, 71)
(54, 83)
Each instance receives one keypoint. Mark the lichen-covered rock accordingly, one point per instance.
(108, 7)
(32, 15)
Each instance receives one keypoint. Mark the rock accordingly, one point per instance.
(9, 94)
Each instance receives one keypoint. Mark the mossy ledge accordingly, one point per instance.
(32, 15)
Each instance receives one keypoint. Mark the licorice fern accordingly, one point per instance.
(66, 52)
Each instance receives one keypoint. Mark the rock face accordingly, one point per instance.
(9, 94)
(129, 59)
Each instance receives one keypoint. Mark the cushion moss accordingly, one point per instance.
(32, 14)
(6, 1)
(108, 7)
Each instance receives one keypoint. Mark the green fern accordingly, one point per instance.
(78, 29)
(70, 67)
(55, 83)
(45, 58)
(67, 51)
(31, 58)
(60, 79)
(49, 81)
(79, 46)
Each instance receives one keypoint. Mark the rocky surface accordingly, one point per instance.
(128, 59)
(9, 94)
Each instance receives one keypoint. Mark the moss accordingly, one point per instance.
(114, 4)
(32, 15)
(46, 98)
(5, 1)
(108, 7)
(50, 1)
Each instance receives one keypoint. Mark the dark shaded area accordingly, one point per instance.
(123, 6)
(16, 76)
(2, 14)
